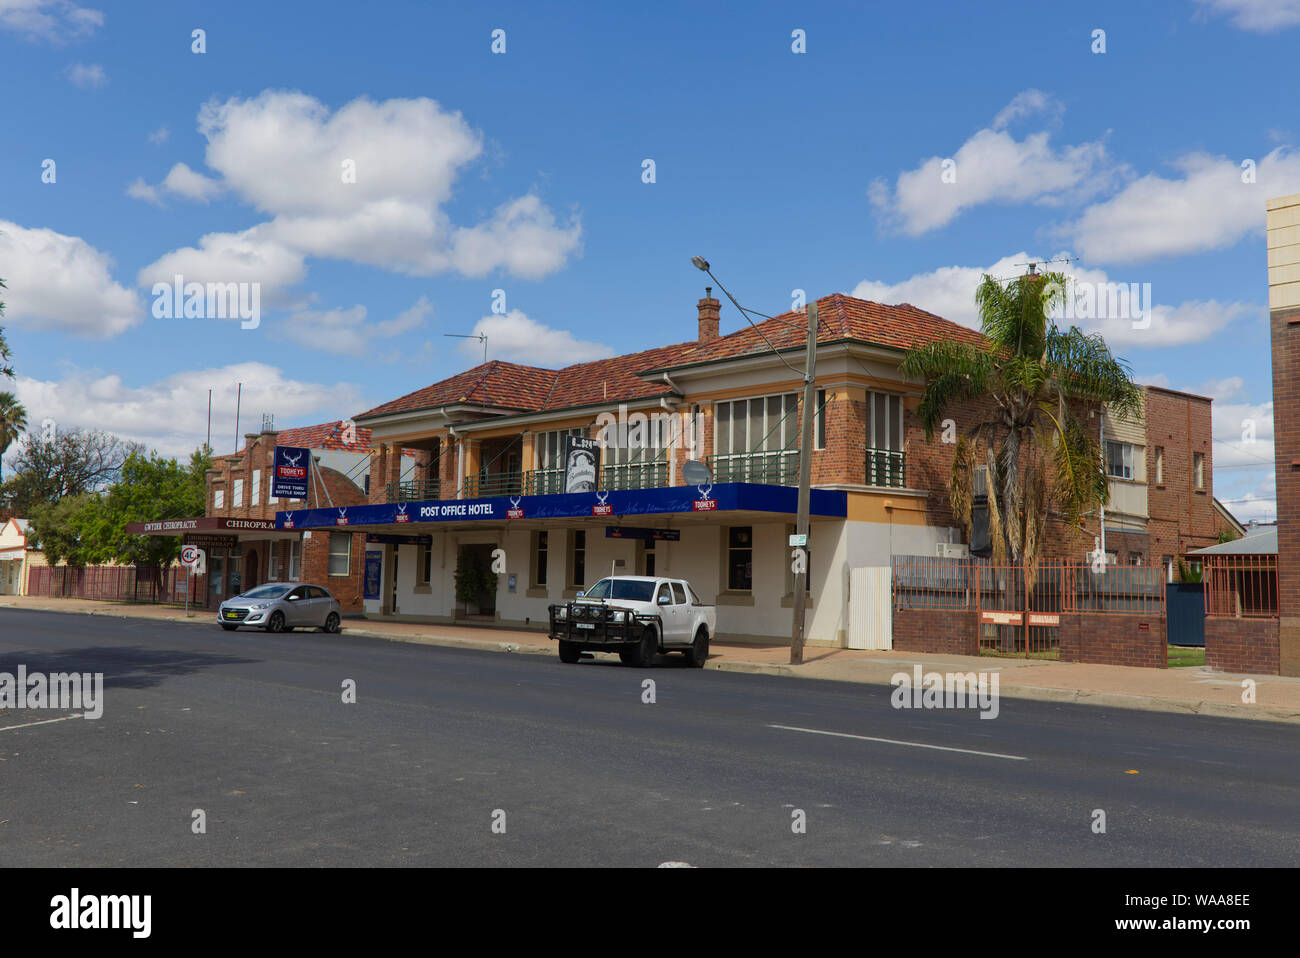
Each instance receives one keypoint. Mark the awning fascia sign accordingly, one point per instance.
(729, 497)
(179, 527)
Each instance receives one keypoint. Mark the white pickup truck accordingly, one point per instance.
(636, 616)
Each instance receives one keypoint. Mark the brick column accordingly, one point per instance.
(1284, 314)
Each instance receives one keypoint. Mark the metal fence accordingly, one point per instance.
(1240, 586)
(1018, 613)
(921, 582)
(117, 583)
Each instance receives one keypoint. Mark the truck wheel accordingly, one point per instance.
(569, 652)
(698, 653)
(645, 653)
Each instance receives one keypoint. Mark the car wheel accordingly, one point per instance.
(331, 622)
(229, 628)
(698, 653)
(569, 652)
(645, 652)
(276, 622)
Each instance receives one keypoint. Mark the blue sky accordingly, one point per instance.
(523, 171)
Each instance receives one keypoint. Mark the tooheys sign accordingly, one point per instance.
(290, 478)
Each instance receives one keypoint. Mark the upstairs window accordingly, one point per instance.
(1119, 460)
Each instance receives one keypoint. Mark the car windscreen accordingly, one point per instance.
(266, 592)
(633, 590)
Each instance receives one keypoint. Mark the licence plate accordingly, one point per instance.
(231, 615)
(586, 625)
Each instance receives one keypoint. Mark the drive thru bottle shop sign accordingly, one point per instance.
(292, 469)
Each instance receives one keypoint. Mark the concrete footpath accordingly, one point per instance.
(1191, 691)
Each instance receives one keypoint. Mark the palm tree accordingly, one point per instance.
(1029, 383)
(13, 420)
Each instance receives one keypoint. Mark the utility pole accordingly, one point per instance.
(805, 486)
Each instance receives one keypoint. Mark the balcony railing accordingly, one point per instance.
(542, 482)
(885, 468)
(414, 489)
(769, 468)
(635, 475)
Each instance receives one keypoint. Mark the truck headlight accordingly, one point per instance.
(562, 612)
(618, 616)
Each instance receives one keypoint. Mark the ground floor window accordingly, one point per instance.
(295, 559)
(579, 553)
(740, 558)
(340, 553)
(540, 544)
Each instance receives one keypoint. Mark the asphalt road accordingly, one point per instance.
(252, 729)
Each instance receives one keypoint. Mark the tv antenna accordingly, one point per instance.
(481, 337)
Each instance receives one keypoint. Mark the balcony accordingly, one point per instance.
(768, 468)
(413, 490)
(544, 482)
(885, 468)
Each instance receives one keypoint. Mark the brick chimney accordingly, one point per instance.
(708, 308)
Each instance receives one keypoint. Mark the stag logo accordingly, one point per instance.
(288, 520)
(292, 460)
(401, 515)
(342, 520)
(602, 507)
(516, 511)
(704, 503)
(601, 497)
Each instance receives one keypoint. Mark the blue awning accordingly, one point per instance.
(729, 497)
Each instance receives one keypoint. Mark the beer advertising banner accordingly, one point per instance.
(581, 464)
(289, 480)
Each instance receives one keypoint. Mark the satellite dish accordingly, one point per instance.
(696, 473)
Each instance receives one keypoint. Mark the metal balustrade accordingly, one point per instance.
(413, 490)
(885, 468)
(768, 468)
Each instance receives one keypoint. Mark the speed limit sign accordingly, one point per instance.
(192, 558)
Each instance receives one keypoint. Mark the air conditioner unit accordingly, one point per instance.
(952, 550)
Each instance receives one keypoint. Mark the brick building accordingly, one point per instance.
(490, 476)
(238, 531)
(1283, 222)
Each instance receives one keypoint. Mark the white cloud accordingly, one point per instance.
(1259, 16)
(516, 338)
(950, 292)
(181, 181)
(245, 257)
(159, 136)
(87, 76)
(54, 20)
(345, 332)
(290, 157)
(170, 414)
(1208, 208)
(991, 167)
(63, 283)
(1024, 104)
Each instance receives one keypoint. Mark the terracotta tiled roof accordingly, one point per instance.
(325, 435)
(510, 386)
(838, 317)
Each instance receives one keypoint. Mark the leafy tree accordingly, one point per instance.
(1035, 376)
(5, 368)
(13, 421)
(61, 529)
(65, 464)
(148, 487)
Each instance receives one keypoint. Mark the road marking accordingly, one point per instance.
(45, 722)
(893, 741)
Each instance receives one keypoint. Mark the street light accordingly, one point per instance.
(805, 457)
